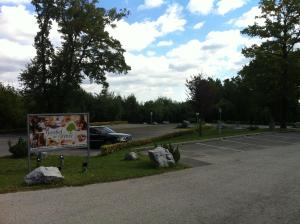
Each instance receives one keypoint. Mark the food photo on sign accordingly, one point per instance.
(53, 131)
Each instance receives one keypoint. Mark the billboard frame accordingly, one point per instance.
(58, 148)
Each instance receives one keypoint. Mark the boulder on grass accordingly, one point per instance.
(43, 175)
(131, 156)
(161, 157)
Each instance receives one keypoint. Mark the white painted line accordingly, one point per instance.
(240, 142)
(269, 140)
(218, 147)
(285, 137)
(252, 143)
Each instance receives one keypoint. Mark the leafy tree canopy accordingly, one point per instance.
(86, 52)
(276, 59)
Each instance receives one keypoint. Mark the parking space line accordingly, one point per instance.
(240, 142)
(218, 147)
(286, 137)
(252, 143)
(269, 140)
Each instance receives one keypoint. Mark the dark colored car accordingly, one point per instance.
(101, 135)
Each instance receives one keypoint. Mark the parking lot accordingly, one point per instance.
(211, 151)
(236, 180)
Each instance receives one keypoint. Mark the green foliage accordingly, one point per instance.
(108, 149)
(87, 51)
(101, 169)
(173, 150)
(272, 74)
(99, 123)
(12, 112)
(253, 128)
(20, 149)
(204, 94)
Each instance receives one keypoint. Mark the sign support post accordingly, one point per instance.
(88, 140)
(28, 146)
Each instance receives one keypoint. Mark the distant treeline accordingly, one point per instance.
(238, 102)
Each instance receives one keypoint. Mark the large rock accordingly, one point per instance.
(43, 175)
(161, 157)
(131, 156)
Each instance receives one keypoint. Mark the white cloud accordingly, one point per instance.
(18, 28)
(150, 4)
(16, 51)
(151, 53)
(219, 54)
(165, 43)
(202, 7)
(18, 24)
(225, 6)
(198, 26)
(172, 20)
(139, 35)
(13, 58)
(248, 18)
(152, 75)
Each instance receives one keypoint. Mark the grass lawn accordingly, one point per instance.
(101, 169)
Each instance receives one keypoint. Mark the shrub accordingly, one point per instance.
(174, 151)
(108, 149)
(20, 149)
(252, 128)
(98, 123)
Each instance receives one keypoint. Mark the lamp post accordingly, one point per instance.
(220, 120)
(199, 124)
(61, 162)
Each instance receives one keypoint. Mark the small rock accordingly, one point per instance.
(131, 156)
(43, 175)
(161, 157)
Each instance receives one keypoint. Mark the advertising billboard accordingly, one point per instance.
(57, 131)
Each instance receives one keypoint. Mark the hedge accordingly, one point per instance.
(108, 149)
(98, 123)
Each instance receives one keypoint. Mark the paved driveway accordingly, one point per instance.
(240, 180)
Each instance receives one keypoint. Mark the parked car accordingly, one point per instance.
(100, 135)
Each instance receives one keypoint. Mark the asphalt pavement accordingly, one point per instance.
(239, 180)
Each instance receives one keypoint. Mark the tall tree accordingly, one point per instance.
(87, 51)
(204, 94)
(12, 113)
(37, 76)
(280, 34)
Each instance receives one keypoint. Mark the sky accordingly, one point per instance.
(166, 43)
